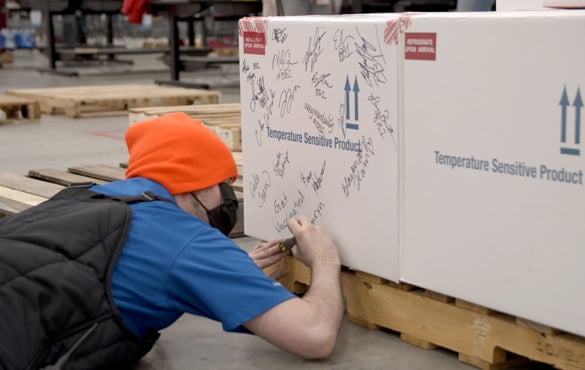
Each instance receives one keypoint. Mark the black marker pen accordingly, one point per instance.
(287, 244)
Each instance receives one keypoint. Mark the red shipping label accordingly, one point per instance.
(420, 45)
(255, 43)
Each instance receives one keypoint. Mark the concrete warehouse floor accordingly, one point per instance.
(192, 343)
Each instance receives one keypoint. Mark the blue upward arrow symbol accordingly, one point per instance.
(578, 103)
(564, 103)
(356, 90)
(347, 89)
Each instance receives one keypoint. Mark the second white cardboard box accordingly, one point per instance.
(494, 194)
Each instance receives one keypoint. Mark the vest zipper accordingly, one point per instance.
(40, 355)
(65, 358)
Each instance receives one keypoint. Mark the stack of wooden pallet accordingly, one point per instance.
(223, 119)
(107, 100)
(18, 110)
(19, 192)
(238, 185)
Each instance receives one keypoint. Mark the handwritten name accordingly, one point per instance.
(314, 179)
(259, 186)
(317, 212)
(314, 49)
(359, 168)
(287, 97)
(341, 119)
(245, 66)
(342, 43)
(247, 69)
(381, 118)
(283, 63)
(320, 83)
(280, 204)
(279, 35)
(261, 96)
(322, 122)
(281, 163)
(371, 66)
(259, 131)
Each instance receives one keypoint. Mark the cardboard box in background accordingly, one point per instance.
(508, 5)
(494, 194)
(319, 99)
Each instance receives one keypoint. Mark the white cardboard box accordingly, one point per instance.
(494, 195)
(483, 87)
(314, 91)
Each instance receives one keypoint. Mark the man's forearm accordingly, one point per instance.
(325, 297)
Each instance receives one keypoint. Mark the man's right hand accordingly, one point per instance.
(314, 244)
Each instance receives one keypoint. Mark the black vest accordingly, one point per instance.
(56, 304)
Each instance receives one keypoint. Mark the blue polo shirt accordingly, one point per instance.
(174, 263)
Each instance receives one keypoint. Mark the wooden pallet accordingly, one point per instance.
(210, 114)
(230, 134)
(19, 110)
(238, 185)
(238, 158)
(6, 57)
(483, 338)
(107, 100)
(223, 119)
(19, 192)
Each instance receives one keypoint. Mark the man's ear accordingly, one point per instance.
(183, 200)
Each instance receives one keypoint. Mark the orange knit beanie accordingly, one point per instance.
(178, 152)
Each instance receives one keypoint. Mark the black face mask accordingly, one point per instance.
(224, 216)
